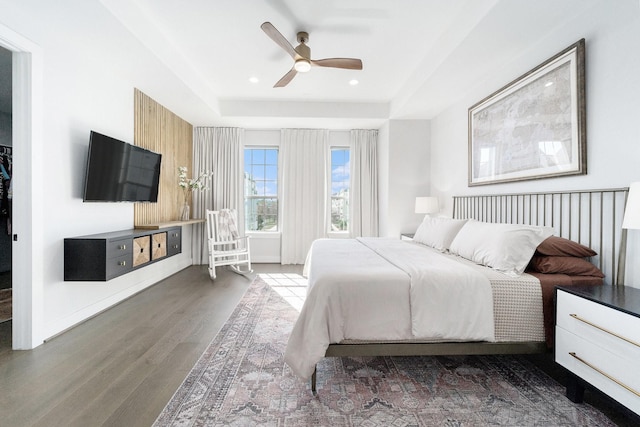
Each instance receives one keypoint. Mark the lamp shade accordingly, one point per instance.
(632, 210)
(427, 205)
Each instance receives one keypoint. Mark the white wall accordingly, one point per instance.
(91, 67)
(405, 173)
(612, 33)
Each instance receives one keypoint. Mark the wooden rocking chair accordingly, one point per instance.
(226, 247)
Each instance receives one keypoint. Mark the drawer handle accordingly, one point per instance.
(575, 316)
(620, 383)
(122, 247)
(122, 263)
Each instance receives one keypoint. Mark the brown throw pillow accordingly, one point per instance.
(559, 246)
(571, 266)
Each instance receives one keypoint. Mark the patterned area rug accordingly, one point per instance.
(242, 380)
(5, 305)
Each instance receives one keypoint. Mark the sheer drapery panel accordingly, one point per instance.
(304, 157)
(363, 209)
(220, 151)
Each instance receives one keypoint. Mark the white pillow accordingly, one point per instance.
(438, 232)
(504, 247)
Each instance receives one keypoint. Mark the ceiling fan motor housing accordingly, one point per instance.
(303, 37)
(303, 50)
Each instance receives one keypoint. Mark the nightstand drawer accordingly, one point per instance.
(615, 330)
(615, 374)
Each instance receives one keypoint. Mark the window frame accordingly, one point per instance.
(245, 197)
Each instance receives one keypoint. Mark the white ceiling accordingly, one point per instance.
(416, 54)
(215, 46)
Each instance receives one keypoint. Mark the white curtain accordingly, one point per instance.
(304, 164)
(363, 206)
(221, 151)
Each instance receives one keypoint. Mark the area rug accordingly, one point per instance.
(242, 380)
(5, 305)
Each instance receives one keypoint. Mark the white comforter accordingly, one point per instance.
(386, 289)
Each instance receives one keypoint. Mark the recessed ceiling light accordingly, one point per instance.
(253, 79)
(549, 83)
(353, 82)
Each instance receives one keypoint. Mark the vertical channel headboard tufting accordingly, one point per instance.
(591, 217)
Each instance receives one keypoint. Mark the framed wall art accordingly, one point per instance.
(534, 127)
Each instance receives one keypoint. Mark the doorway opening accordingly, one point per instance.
(27, 218)
(6, 173)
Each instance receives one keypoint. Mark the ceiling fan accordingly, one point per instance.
(302, 55)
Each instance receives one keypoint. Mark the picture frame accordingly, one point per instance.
(535, 126)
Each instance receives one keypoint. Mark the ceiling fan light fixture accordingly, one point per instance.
(302, 65)
(301, 55)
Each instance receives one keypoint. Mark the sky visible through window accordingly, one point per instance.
(262, 166)
(339, 170)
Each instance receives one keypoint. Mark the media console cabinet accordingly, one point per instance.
(101, 257)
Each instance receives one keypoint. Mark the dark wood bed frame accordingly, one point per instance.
(590, 217)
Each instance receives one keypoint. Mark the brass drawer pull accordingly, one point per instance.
(575, 316)
(620, 383)
(122, 263)
(122, 247)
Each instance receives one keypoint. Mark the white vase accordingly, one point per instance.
(185, 212)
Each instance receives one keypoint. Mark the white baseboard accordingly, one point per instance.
(265, 260)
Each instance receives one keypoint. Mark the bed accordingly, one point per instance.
(436, 295)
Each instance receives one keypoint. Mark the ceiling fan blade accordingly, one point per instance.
(348, 63)
(275, 35)
(286, 78)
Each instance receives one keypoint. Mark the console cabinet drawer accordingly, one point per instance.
(119, 247)
(174, 242)
(158, 245)
(118, 266)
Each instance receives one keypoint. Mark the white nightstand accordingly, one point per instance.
(598, 341)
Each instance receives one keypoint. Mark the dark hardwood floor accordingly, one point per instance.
(121, 367)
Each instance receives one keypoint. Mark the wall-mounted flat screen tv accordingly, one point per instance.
(120, 172)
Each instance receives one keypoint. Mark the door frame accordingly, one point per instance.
(27, 224)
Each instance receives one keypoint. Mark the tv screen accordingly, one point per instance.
(120, 172)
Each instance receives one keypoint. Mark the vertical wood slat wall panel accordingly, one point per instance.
(158, 129)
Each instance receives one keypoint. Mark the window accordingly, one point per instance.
(261, 189)
(339, 189)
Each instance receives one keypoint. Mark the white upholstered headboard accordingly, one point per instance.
(591, 217)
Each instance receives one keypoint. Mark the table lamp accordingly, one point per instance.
(631, 221)
(427, 205)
